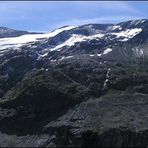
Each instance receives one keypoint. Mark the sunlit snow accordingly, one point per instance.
(107, 51)
(128, 33)
(21, 40)
(75, 39)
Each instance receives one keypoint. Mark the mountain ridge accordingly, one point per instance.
(77, 86)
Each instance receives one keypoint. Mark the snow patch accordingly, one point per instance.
(143, 21)
(91, 55)
(75, 39)
(53, 60)
(116, 27)
(70, 42)
(136, 22)
(107, 51)
(138, 52)
(107, 78)
(128, 33)
(99, 55)
(68, 57)
(42, 55)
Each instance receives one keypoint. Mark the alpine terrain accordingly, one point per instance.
(77, 86)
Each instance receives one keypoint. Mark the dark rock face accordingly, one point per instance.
(64, 104)
(116, 119)
(13, 70)
(40, 98)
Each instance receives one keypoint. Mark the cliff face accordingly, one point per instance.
(76, 105)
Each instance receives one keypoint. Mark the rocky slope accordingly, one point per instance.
(76, 86)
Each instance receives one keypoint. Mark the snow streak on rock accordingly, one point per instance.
(107, 79)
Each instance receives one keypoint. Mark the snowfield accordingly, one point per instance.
(75, 39)
(127, 34)
(24, 39)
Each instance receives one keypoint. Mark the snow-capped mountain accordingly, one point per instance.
(125, 41)
(91, 39)
(76, 86)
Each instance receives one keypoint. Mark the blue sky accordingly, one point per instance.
(45, 16)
